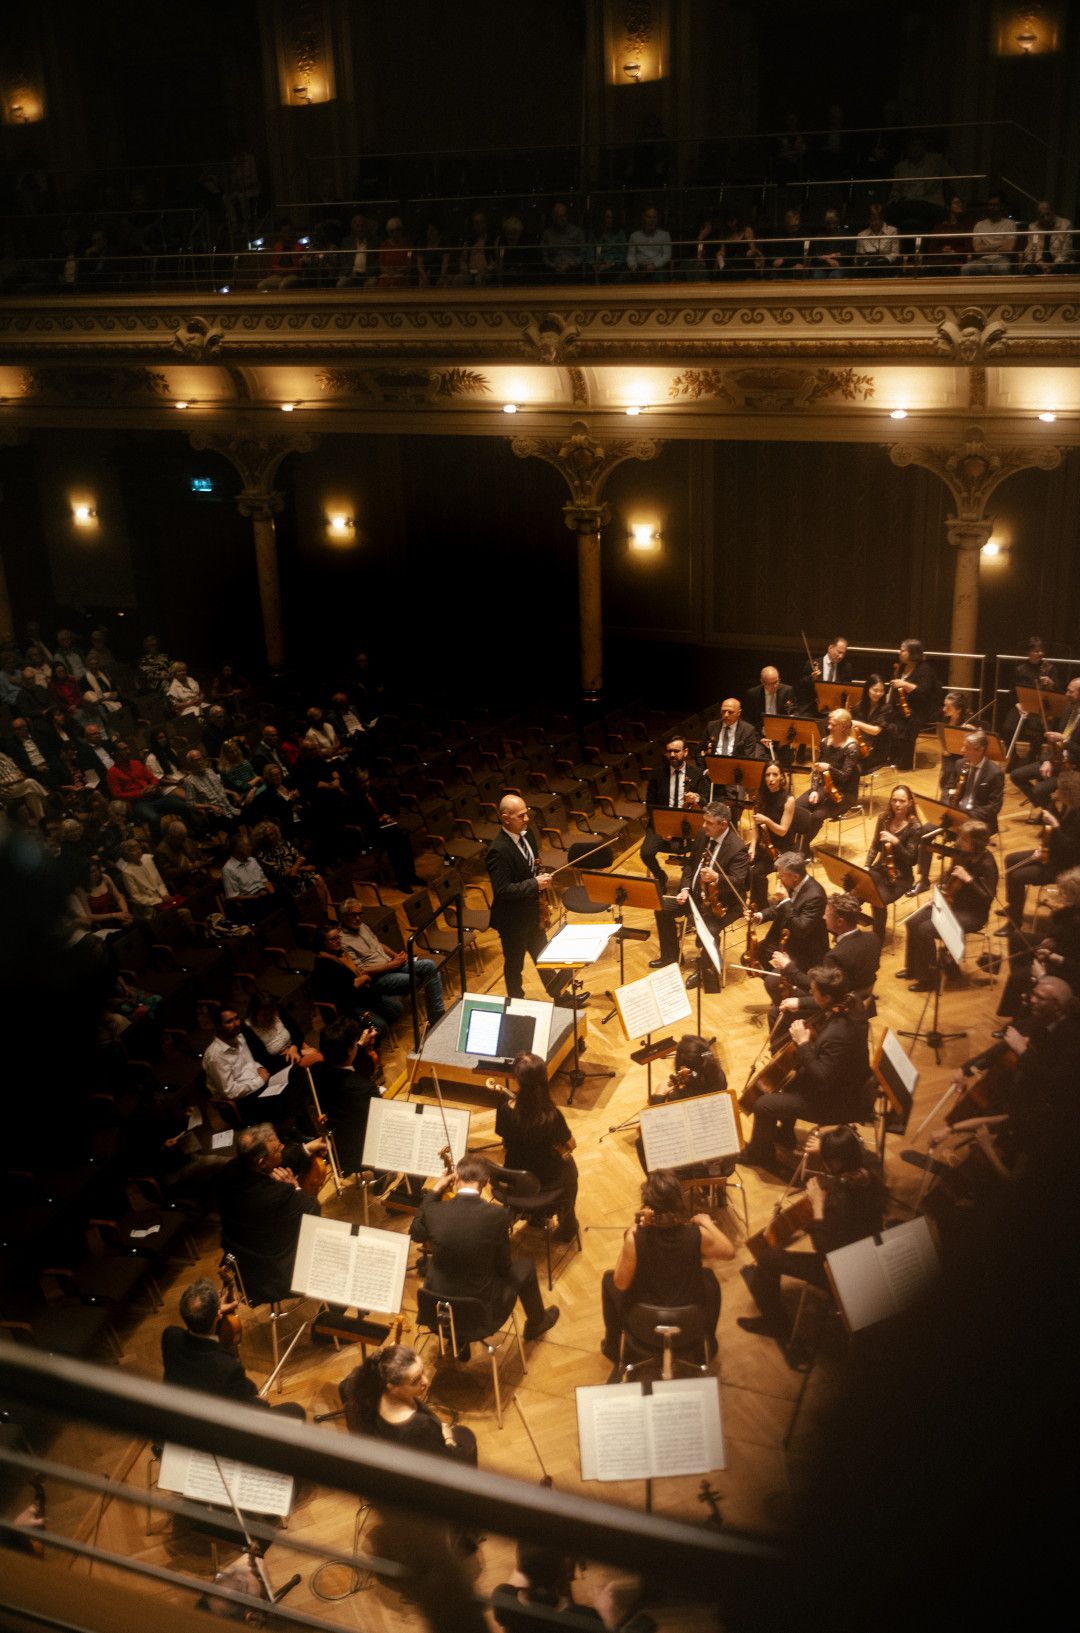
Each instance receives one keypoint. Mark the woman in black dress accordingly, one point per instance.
(387, 1396)
(774, 817)
(537, 1139)
(834, 784)
(666, 1259)
(893, 852)
(915, 694)
(873, 721)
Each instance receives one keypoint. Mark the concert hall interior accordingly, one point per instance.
(539, 812)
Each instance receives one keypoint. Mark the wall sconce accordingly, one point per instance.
(644, 536)
(287, 408)
(1048, 416)
(18, 114)
(84, 515)
(632, 70)
(992, 551)
(510, 408)
(302, 94)
(182, 403)
(898, 413)
(340, 526)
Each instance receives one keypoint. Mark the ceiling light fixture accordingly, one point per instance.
(1048, 416)
(510, 408)
(898, 413)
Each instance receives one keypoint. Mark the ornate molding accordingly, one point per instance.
(108, 384)
(971, 335)
(394, 386)
(255, 456)
(771, 388)
(973, 471)
(586, 518)
(583, 463)
(197, 339)
(552, 337)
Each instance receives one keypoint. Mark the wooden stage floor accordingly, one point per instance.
(758, 1391)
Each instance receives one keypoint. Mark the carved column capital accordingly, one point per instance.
(584, 463)
(586, 518)
(261, 507)
(255, 455)
(967, 535)
(975, 469)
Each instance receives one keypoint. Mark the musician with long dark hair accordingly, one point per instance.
(916, 699)
(387, 1396)
(774, 819)
(665, 1259)
(695, 1070)
(969, 888)
(894, 851)
(537, 1139)
(874, 721)
(847, 1202)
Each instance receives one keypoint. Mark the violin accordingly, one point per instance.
(860, 742)
(1042, 851)
(829, 788)
(900, 694)
(983, 1097)
(679, 1079)
(315, 1177)
(662, 1221)
(751, 956)
(888, 859)
(229, 1327)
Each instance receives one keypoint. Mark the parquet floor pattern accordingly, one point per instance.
(759, 1393)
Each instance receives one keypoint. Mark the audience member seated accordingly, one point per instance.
(270, 749)
(786, 254)
(217, 729)
(99, 904)
(607, 250)
(284, 259)
(262, 1204)
(993, 240)
(195, 1357)
(229, 689)
(562, 247)
(64, 689)
(666, 1259)
(394, 258)
(357, 253)
(648, 253)
(154, 667)
(275, 801)
(476, 263)
(275, 1039)
(182, 865)
(206, 797)
(129, 780)
(294, 878)
(948, 245)
(68, 654)
(877, 247)
(144, 887)
(18, 790)
(34, 751)
(184, 692)
(35, 699)
(338, 979)
(1048, 247)
(387, 971)
(100, 689)
(249, 894)
(830, 248)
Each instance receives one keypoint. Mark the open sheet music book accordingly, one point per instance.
(405, 1137)
(626, 1434)
(881, 1276)
(694, 1130)
(576, 944)
(351, 1265)
(657, 1000)
(196, 1475)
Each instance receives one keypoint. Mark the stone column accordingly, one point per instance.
(256, 456)
(585, 465)
(967, 538)
(586, 521)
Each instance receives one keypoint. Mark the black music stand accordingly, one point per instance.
(671, 824)
(617, 890)
(728, 771)
(575, 1074)
(952, 741)
(790, 733)
(847, 875)
(933, 1034)
(837, 694)
(1039, 703)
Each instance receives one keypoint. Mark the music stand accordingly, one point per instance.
(671, 824)
(837, 694)
(951, 936)
(616, 890)
(790, 732)
(1054, 704)
(575, 1073)
(952, 741)
(947, 817)
(846, 875)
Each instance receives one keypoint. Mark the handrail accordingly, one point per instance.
(719, 1565)
(980, 658)
(1000, 691)
(457, 900)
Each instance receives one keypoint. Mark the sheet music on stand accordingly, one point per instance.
(706, 938)
(897, 1073)
(626, 1434)
(879, 1277)
(697, 1129)
(405, 1137)
(352, 1265)
(576, 944)
(196, 1475)
(659, 999)
(946, 925)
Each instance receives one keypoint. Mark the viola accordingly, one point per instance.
(649, 1217)
(229, 1327)
(765, 838)
(829, 788)
(860, 742)
(751, 956)
(983, 1097)
(900, 694)
(315, 1176)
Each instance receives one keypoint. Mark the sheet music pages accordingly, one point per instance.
(380, 1260)
(684, 1427)
(897, 1064)
(873, 1283)
(196, 1475)
(704, 936)
(577, 944)
(276, 1084)
(712, 1126)
(665, 1136)
(324, 1259)
(946, 925)
(612, 1436)
(407, 1138)
(638, 1008)
(669, 990)
(541, 1011)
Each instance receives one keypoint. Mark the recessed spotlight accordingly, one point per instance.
(287, 408)
(898, 414)
(1048, 416)
(341, 524)
(635, 408)
(182, 404)
(84, 514)
(510, 408)
(224, 290)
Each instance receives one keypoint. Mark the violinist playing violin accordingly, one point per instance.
(797, 920)
(194, 1357)
(695, 1070)
(834, 783)
(893, 852)
(915, 692)
(832, 1069)
(969, 888)
(847, 1203)
(666, 1259)
(716, 874)
(856, 953)
(1037, 776)
(871, 725)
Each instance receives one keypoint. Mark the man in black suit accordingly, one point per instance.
(830, 1084)
(512, 863)
(194, 1358)
(470, 1251)
(855, 952)
(262, 1205)
(834, 666)
(718, 860)
(1036, 777)
(981, 788)
(675, 786)
(771, 697)
(732, 737)
(35, 751)
(798, 921)
(344, 1094)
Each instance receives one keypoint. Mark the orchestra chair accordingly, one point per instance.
(709, 1191)
(576, 898)
(665, 1335)
(869, 781)
(522, 1193)
(460, 1320)
(859, 810)
(277, 1306)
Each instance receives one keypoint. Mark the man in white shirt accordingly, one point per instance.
(356, 251)
(648, 254)
(204, 790)
(1049, 244)
(231, 1071)
(993, 240)
(67, 655)
(248, 891)
(878, 245)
